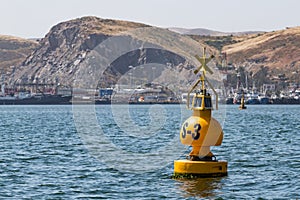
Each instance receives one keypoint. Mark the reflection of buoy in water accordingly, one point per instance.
(201, 131)
(242, 106)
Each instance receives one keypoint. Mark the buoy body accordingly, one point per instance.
(186, 168)
(201, 131)
(242, 106)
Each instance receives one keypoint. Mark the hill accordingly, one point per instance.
(208, 32)
(219, 42)
(71, 51)
(13, 51)
(274, 53)
(68, 48)
(65, 46)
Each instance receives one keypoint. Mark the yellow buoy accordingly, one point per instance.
(242, 106)
(187, 168)
(201, 131)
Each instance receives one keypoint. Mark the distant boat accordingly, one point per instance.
(264, 100)
(45, 99)
(11, 97)
(237, 98)
(253, 98)
(229, 100)
(154, 99)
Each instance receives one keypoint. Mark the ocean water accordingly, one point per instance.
(127, 152)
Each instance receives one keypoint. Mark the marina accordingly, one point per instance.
(142, 98)
(267, 94)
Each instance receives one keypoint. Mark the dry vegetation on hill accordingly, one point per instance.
(13, 51)
(277, 51)
(263, 55)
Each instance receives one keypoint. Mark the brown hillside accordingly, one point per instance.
(13, 51)
(277, 51)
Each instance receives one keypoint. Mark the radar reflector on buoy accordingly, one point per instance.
(203, 67)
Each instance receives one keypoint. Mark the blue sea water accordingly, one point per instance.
(45, 154)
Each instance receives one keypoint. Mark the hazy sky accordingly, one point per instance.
(34, 18)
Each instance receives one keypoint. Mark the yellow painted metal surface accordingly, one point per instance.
(242, 106)
(197, 131)
(205, 168)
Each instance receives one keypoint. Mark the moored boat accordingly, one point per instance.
(45, 99)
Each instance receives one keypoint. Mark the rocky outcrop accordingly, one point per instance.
(71, 51)
(65, 47)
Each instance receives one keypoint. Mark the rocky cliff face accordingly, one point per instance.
(65, 47)
(71, 51)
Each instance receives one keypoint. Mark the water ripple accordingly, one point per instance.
(43, 157)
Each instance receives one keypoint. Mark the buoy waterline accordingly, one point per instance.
(201, 131)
